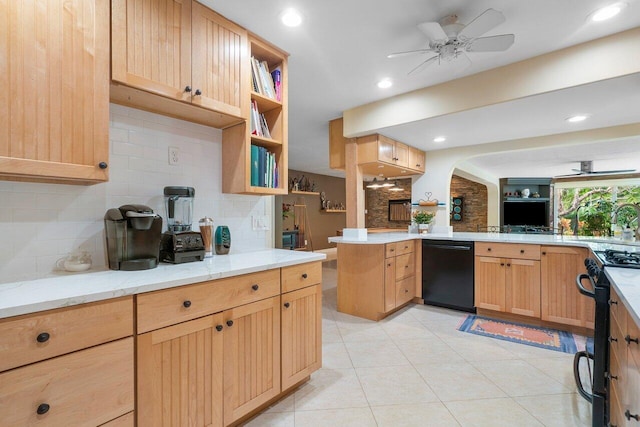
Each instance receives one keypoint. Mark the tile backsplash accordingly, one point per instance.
(40, 223)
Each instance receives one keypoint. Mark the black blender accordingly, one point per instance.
(179, 243)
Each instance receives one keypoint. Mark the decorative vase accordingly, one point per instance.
(424, 228)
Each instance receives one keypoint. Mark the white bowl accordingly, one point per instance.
(74, 267)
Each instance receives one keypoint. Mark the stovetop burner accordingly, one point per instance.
(616, 258)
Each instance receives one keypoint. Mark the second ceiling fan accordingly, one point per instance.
(449, 40)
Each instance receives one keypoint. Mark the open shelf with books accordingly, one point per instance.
(255, 152)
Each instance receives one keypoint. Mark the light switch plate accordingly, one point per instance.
(259, 222)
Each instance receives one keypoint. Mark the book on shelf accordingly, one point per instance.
(276, 75)
(261, 78)
(264, 169)
(259, 125)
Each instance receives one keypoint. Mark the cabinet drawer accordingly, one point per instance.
(34, 337)
(507, 250)
(617, 344)
(300, 276)
(618, 373)
(405, 266)
(634, 333)
(617, 310)
(127, 420)
(88, 387)
(170, 306)
(399, 248)
(616, 413)
(405, 290)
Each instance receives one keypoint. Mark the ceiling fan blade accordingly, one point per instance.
(433, 31)
(409, 52)
(489, 19)
(423, 65)
(492, 43)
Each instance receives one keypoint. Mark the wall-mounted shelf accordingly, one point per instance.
(334, 210)
(307, 193)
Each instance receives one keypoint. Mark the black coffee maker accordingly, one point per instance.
(133, 237)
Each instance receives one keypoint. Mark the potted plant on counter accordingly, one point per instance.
(423, 219)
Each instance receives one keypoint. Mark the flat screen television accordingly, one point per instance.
(526, 213)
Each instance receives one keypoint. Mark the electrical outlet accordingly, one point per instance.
(174, 155)
(259, 222)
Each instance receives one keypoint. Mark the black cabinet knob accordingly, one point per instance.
(544, 253)
(229, 323)
(102, 165)
(304, 275)
(187, 89)
(612, 377)
(43, 337)
(508, 265)
(612, 302)
(612, 339)
(521, 251)
(502, 264)
(198, 92)
(43, 408)
(186, 304)
(287, 305)
(255, 287)
(629, 340)
(628, 415)
(488, 249)
(218, 328)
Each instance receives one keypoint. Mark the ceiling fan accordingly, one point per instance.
(586, 168)
(450, 40)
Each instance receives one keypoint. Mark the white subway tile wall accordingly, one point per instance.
(41, 223)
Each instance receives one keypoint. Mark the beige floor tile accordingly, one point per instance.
(430, 349)
(519, 378)
(458, 381)
(369, 354)
(560, 369)
(406, 330)
(285, 405)
(476, 348)
(420, 414)
(352, 417)
(330, 331)
(335, 356)
(277, 419)
(504, 412)
(561, 410)
(331, 389)
(394, 385)
(429, 313)
(362, 332)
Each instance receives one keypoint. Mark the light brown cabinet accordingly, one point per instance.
(416, 159)
(54, 91)
(378, 154)
(375, 280)
(237, 141)
(507, 278)
(561, 301)
(182, 51)
(68, 364)
(337, 143)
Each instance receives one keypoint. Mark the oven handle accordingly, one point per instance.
(582, 289)
(576, 374)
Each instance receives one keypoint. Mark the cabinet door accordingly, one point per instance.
(490, 283)
(389, 284)
(405, 290)
(180, 374)
(560, 300)
(401, 153)
(301, 334)
(251, 357)
(219, 62)
(54, 89)
(523, 287)
(416, 159)
(386, 149)
(151, 45)
(405, 266)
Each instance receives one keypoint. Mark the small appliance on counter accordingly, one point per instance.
(133, 237)
(179, 243)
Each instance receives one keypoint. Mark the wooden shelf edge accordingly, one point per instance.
(334, 210)
(309, 193)
(267, 142)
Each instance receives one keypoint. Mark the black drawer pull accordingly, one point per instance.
(629, 340)
(186, 304)
(229, 323)
(287, 305)
(218, 328)
(488, 249)
(304, 275)
(628, 416)
(612, 377)
(612, 339)
(521, 251)
(612, 302)
(255, 287)
(43, 408)
(508, 265)
(502, 264)
(187, 89)
(43, 337)
(198, 92)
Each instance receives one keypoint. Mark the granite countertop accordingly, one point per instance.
(67, 289)
(626, 282)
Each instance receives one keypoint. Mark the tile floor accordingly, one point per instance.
(415, 369)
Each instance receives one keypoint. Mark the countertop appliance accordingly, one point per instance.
(133, 237)
(179, 243)
(447, 274)
(598, 361)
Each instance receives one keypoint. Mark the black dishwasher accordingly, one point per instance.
(447, 274)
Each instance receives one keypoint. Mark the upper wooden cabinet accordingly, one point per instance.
(378, 154)
(337, 143)
(54, 91)
(184, 52)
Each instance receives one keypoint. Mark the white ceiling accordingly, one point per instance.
(339, 54)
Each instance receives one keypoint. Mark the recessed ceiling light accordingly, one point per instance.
(291, 18)
(607, 12)
(577, 118)
(439, 139)
(384, 83)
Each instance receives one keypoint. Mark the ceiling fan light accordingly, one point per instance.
(607, 12)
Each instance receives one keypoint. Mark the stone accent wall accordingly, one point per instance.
(475, 203)
(377, 205)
